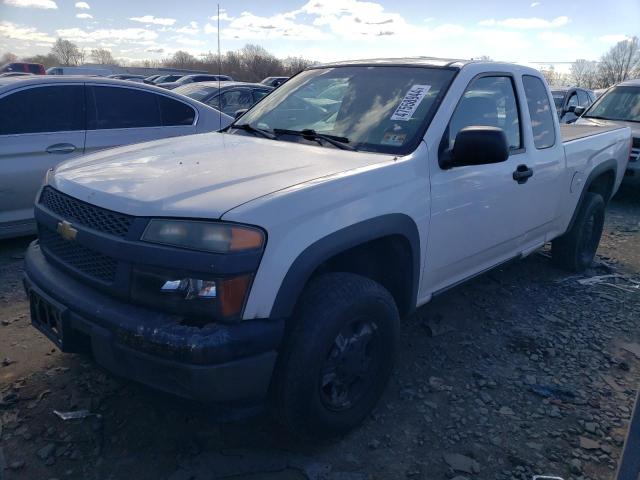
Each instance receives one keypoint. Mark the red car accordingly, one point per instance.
(35, 68)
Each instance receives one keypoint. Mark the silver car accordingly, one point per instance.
(619, 105)
(45, 120)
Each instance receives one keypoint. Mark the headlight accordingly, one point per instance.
(207, 236)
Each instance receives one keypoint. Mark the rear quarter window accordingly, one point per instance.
(175, 113)
(540, 112)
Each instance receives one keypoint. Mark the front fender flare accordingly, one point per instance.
(339, 241)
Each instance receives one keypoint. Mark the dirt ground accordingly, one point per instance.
(525, 370)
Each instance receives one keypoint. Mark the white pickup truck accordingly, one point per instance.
(272, 262)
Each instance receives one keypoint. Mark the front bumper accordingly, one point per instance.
(216, 363)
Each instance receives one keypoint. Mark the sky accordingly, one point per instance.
(523, 31)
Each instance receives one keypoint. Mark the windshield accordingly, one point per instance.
(195, 91)
(378, 109)
(558, 99)
(619, 103)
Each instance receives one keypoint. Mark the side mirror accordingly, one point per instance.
(578, 111)
(477, 146)
(240, 112)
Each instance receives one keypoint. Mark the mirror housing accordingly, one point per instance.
(477, 145)
(239, 113)
(578, 110)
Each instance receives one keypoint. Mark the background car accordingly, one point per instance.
(128, 76)
(45, 120)
(15, 74)
(274, 81)
(567, 98)
(35, 68)
(167, 78)
(619, 105)
(185, 79)
(101, 72)
(229, 97)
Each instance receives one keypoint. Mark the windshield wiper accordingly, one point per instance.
(247, 127)
(309, 134)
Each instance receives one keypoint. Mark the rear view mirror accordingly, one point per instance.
(240, 112)
(478, 146)
(578, 110)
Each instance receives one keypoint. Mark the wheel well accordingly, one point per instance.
(387, 260)
(603, 184)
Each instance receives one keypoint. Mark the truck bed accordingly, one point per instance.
(571, 132)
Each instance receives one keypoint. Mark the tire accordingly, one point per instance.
(338, 356)
(576, 249)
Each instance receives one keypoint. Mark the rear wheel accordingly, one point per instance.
(338, 357)
(576, 249)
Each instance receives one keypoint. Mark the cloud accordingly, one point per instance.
(154, 20)
(24, 33)
(559, 40)
(182, 40)
(250, 26)
(83, 5)
(209, 29)
(525, 23)
(224, 17)
(44, 4)
(615, 38)
(84, 15)
(191, 29)
(133, 35)
(155, 50)
(534, 4)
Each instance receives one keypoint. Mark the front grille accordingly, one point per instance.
(635, 155)
(89, 262)
(82, 213)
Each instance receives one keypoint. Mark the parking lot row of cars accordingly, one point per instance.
(47, 119)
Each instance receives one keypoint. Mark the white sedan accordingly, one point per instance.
(45, 120)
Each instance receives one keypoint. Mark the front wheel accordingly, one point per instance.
(338, 357)
(576, 249)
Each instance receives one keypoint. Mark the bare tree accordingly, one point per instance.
(259, 63)
(584, 73)
(65, 51)
(102, 56)
(181, 59)
(294, 65)
(48, 60)
(620, 62)
(552, 77)
(81, 54)
(8, 57)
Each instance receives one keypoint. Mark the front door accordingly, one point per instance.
(476, 210)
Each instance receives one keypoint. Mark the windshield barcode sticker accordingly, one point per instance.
(410, 102)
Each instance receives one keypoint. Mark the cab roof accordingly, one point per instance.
(404, 61)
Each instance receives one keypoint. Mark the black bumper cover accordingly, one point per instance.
(219, 363)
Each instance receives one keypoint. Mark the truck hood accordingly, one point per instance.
(634, 126)
(199, 175)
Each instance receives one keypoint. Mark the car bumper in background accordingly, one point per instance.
(216, 363)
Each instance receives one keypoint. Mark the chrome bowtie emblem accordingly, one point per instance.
(66, 230)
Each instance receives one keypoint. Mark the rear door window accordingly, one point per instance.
(117, 107)
(175, 113)
(542, 124)
(56, 108)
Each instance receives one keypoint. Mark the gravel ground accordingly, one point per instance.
(525, 370)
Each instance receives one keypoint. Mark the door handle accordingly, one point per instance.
(522, 174)
(61, 148)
